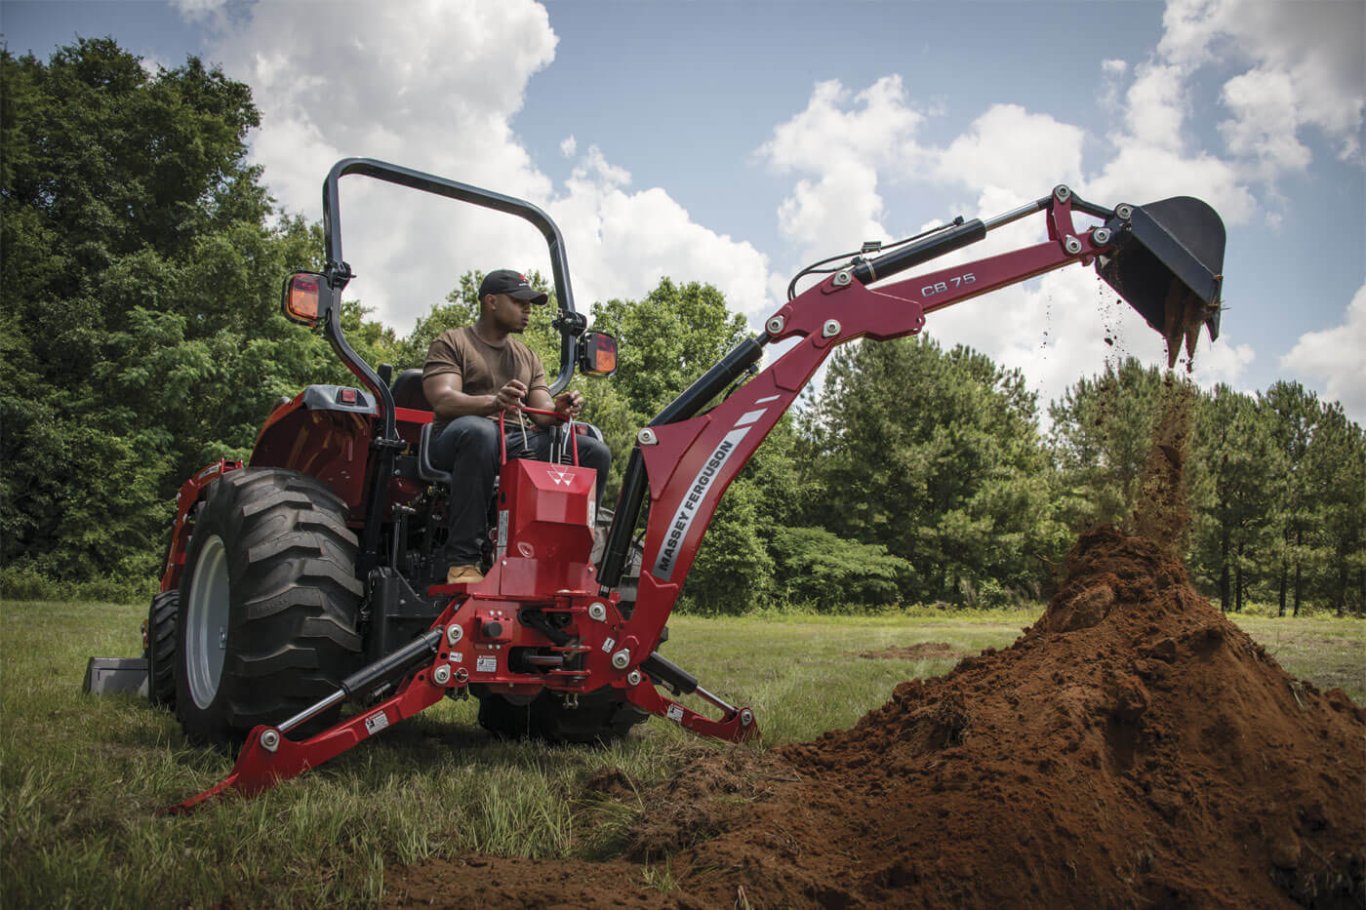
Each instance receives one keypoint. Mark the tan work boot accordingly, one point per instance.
(463, 575)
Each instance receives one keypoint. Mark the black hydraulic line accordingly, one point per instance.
(366, 677)
(661, 669)
(633, 484)
(393, 664)
(613, 560)
(914, 254)
(711, 383)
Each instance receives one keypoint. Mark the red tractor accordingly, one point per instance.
(298, 582)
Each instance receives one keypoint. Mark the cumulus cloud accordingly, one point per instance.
(1010, 153)
(1333, 357)
(841, 143)
(1311, 53)
(434, 86)
(625, 241)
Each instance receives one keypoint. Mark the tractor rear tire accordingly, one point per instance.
(602, 717)
(161, 649)
(269, 604)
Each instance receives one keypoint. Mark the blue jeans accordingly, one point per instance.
(468, 448)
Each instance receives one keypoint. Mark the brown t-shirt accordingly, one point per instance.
(483, 368)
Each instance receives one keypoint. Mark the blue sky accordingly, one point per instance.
(734, 142)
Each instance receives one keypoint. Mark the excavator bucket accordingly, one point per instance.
(1168, 264)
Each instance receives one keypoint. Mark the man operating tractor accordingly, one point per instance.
(473, 377)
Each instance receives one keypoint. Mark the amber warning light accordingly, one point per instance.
(598, 354)
(300, 304)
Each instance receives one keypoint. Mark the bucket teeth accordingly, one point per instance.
(1183, 316)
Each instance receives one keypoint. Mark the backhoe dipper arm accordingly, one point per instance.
(691, 460)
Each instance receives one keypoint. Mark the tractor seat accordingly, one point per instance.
(425, 469)
(407, 389)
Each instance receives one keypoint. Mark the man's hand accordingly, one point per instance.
(509, 397)
(568, 404)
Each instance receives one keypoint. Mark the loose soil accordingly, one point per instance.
(1132, 749)
(923, 650)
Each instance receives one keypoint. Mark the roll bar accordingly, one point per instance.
(339, 273)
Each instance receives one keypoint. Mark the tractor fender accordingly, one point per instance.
(324, 432)
(192, 492)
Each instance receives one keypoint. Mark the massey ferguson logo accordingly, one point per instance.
(560, 476)
(701, 484)
(668, 554)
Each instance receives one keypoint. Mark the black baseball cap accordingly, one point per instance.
(514, 284)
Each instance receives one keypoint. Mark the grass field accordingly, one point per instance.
(81, 778)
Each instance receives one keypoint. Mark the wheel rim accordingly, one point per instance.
(206, 623)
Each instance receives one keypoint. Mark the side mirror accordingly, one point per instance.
(302, 293)
(597, 354)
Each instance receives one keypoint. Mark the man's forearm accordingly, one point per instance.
(457, 404)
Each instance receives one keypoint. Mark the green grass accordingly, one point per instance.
(81, 778)
(1328, 652)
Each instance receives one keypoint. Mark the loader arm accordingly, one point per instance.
(688, 463)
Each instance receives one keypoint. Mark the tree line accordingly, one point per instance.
(140, 339)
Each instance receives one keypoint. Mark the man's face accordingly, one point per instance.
(510, 314)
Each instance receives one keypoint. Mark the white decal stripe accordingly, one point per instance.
(750, 416)
(768, 399)
(688, 509)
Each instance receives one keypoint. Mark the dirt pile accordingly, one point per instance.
(1132, 749)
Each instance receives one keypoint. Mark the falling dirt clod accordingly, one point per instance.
(1162, 510)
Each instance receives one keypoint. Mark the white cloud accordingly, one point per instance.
(1042, 152)
(568, 146)
(840, 143)
(1333, 358)
(1152, 158)
(1264, 121)
(624, 242)
(433, 86)
(1313, 51)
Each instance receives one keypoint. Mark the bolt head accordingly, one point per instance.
(646, 437)
(774, 325)
(831, 328)
(633, 677)
(454, 632)
(442, 675)
(622, 659)
(597, 611)
(270, 740)
(1100, 235)
(746, 717)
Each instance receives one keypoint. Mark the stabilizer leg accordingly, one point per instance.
(268, 756)
(737, 724)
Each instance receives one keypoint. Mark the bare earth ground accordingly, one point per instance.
(1133, 749)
